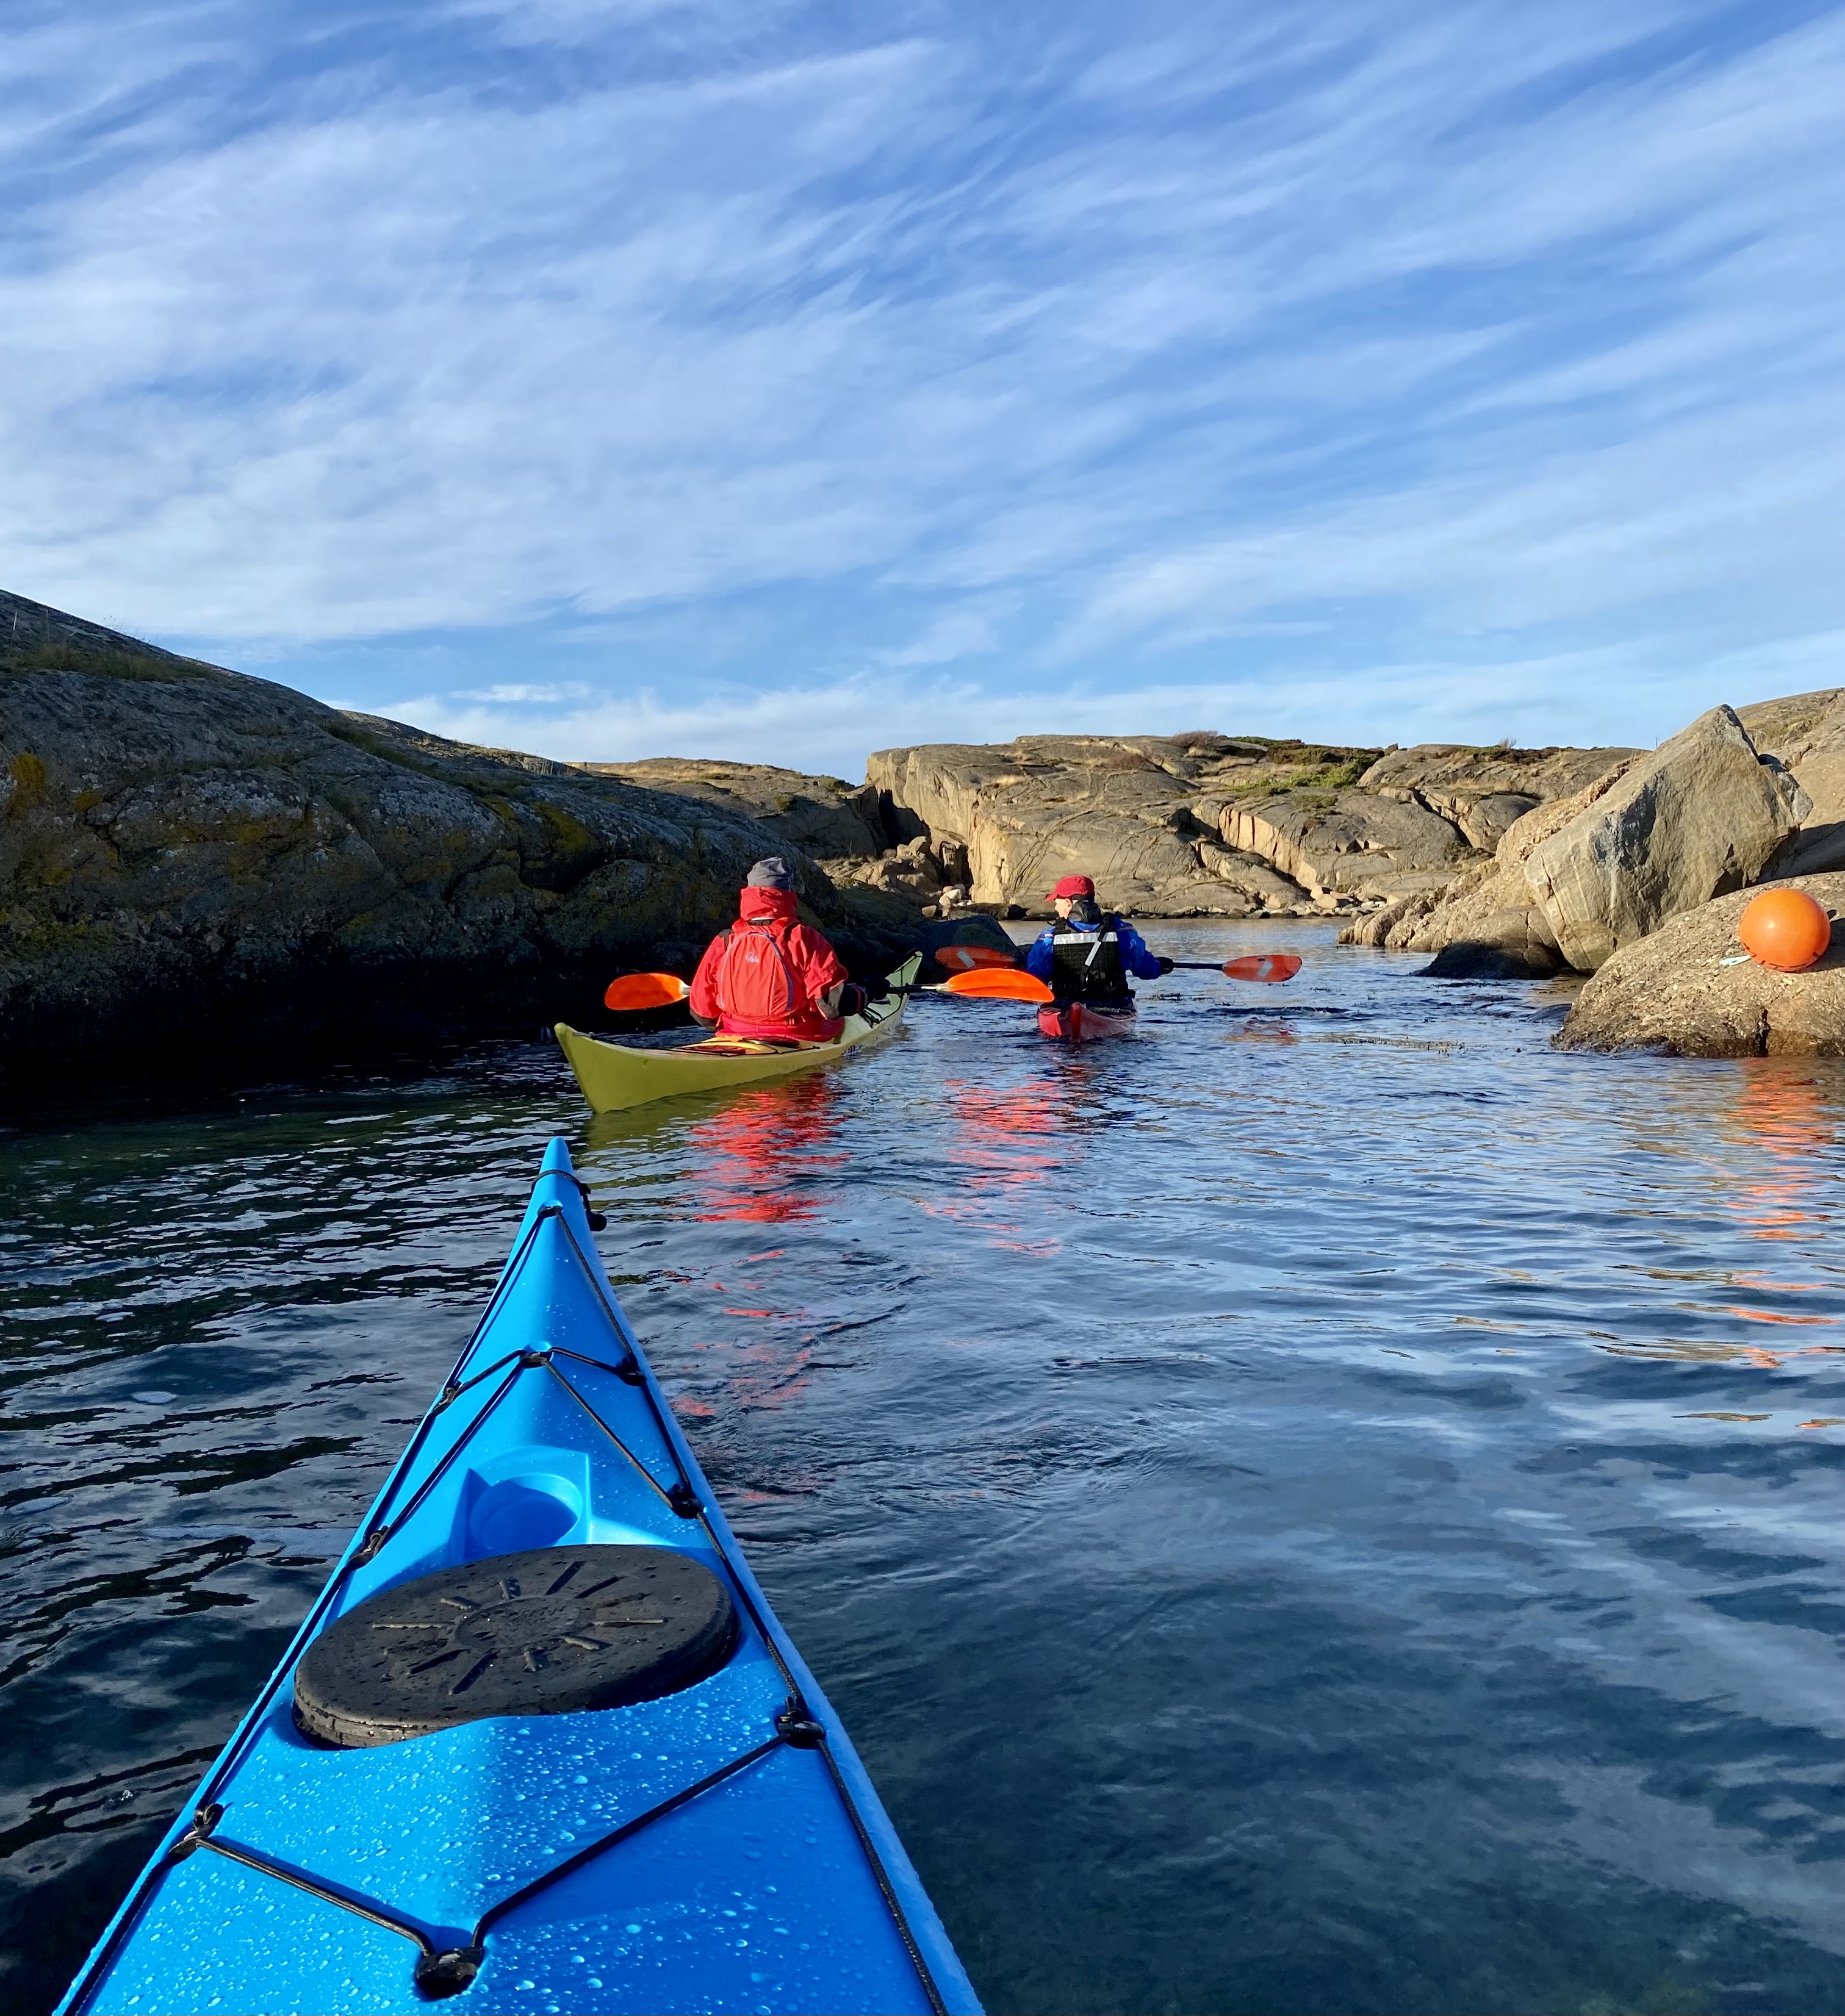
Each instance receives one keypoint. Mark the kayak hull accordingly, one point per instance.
(614, 1076)
(717, 1849)
(1072, 1022)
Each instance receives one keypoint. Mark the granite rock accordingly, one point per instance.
(1352, 843)
(1805, 732)
(1482, 792)
(1687, 990)
(1703, 815)
(1489, 925)
(190, 858)
(1144, 815)
(823, 816)
(1647, 837)
(1211, 824)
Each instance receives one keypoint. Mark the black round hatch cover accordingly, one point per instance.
(541, 1633)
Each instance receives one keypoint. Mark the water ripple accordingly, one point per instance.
(1326, 1505)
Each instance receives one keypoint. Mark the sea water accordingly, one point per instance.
(1325, 1505)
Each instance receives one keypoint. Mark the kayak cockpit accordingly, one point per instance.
(714, 1846)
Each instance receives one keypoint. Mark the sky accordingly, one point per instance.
(779, 381)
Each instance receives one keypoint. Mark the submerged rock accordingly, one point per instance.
(189, 857)
(1510, 944)
(1688, 989)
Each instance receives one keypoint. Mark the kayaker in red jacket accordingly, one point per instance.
(770, 975)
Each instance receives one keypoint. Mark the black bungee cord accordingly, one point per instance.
(444, 1970)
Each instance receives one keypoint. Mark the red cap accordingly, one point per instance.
(1073, 885)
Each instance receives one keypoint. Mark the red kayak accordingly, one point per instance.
(1074, 1023)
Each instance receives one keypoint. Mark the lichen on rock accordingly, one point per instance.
(190, 858)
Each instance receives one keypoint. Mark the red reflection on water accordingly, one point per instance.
(760, 1150)
(1005, 1140)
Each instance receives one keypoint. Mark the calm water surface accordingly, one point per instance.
(1324, 1505)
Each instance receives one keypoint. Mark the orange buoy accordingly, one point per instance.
(1784, 928)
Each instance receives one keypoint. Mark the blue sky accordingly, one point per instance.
(614, 378)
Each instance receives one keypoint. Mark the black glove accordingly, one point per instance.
(1165, 966)
(853, 998)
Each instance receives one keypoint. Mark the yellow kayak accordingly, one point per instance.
(613, 1076)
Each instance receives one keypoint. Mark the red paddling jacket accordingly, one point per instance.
(766, 975)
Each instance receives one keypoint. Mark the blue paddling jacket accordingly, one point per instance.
(1091, 961)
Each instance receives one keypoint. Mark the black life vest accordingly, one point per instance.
(1085, 966)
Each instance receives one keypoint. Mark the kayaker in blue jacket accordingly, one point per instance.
(1087, 955)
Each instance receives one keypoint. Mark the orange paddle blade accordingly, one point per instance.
(1263, 966)
(997, 983)
(965, 959)
(645, 990)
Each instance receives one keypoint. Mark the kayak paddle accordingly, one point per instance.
(645, 990)
(635, 991)
(1252, 965)
(997, 983)
(965, 959)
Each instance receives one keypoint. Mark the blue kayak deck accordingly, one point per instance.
(760, 1872)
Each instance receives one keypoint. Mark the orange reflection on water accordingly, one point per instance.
(1704, 1351)
(1785, 1117)
(762, 1148)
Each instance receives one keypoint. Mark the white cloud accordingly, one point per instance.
(1634, 694)
(1544, 539)
(517, 695)
(958, 633)
(1491, 320)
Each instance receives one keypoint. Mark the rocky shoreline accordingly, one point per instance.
(193, 861)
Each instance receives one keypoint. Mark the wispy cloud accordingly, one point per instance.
(1463, 342)
(516, 694)
(829, 727)
(959, 633)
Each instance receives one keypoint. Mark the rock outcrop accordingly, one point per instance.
(1703, 814)
(1209, 824)
(1688, 990)
(840, 825)
(1806, 733)
(1574, 880)
(1484, 792)
(1349, 843)
(1489, 925)
(825, 817)
(189, 857)
(1143, 815)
